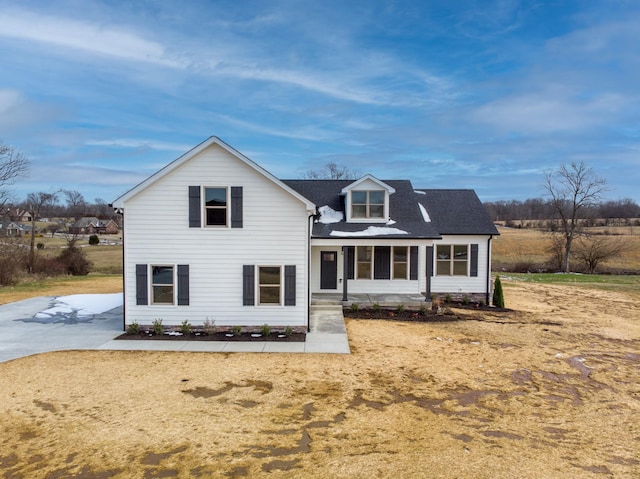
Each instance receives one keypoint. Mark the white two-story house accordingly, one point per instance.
(215, 236)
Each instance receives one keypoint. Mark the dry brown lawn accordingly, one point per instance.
(550, 390)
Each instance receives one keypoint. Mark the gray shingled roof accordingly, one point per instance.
(404, 210)
(457, 212)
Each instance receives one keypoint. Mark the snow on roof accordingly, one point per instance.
(328, 215)
(425, 215)
(370, 231)
(418, 192)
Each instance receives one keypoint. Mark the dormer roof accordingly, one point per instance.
(366, 180)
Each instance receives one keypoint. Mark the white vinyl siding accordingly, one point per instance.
(274, 232)
(465, 283)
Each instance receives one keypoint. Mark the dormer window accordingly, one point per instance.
(367, 204)
(367, 200)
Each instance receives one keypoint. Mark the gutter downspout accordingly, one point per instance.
(309, 229)
(488, 296)
(120, 211)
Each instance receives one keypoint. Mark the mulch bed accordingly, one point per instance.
(220, 336)
(428, 315)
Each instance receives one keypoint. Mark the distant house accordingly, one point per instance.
(19, 215)
(11, 229)
(90, 225)
(214, 235)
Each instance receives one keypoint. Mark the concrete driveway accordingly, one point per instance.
(48, 323)
(26, 330)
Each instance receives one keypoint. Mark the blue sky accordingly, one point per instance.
(483, 94)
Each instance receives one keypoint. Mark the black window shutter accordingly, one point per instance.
(142, 291)
(350, 253)
(236, 206)
(413, 263)
(290, 285)
(248, 285)
(474, 260)
(382, 262)
(183, 285)
(194, 207)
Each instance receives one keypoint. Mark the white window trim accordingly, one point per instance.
(281, 286)
(393, 263)
(203, 195)
(385, 209)
(371, 264)
(174, 283)
(452, 260)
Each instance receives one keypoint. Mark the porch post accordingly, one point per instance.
(345, 275)
(429, 250)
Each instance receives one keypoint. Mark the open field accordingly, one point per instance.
(61, 286)
(549, 390)
(530, 246)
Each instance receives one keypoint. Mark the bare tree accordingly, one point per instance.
(572, 189)
(593, 250)
(13, 165)
(332, 171)
(34, 204)
(76, 205)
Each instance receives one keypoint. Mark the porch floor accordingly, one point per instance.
(409, 301)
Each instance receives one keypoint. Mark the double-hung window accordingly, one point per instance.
(269, 285)
(367, 204)
(364, 261)
(216, 206)
(400, 262)
(452, 260)
(162, 285)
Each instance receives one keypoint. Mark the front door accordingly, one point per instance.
(328, 269)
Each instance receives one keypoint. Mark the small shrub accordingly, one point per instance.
(354, 307)
(288, 331)
(435, 303)
(158, 328)
(75, 261)
(447, 298)
(400, 308)
(209, 326)
(185, 327)
(94, 240)
(265, 330)
(465, 299)
(40, 245)
(236, 330)
(423, 310)
(498, 295)
(133, 329)
(376, 307)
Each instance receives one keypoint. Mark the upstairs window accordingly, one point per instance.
(215, 204)
(367, 204)
(452, 260)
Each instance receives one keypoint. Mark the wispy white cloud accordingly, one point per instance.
(86, 36)
(548, 112)
(131, 143)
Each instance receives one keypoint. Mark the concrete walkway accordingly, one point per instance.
(22, 334)
(328, 335)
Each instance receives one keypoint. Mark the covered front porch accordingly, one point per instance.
(367, 300)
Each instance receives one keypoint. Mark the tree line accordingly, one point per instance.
(610, 212)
